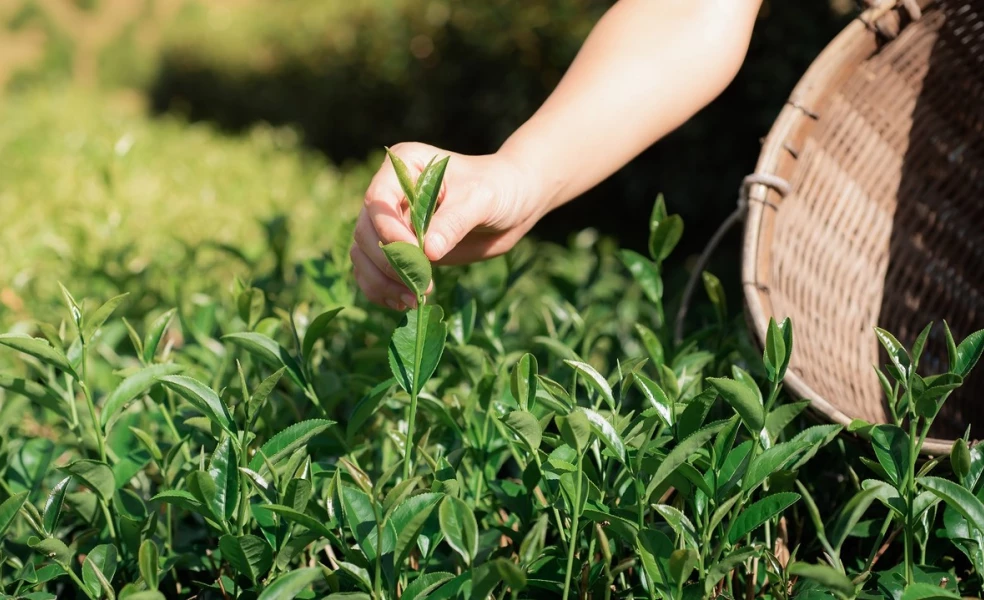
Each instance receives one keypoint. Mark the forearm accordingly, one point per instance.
(646, 68)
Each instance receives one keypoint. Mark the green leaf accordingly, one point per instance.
(302, 519)
(927, 591)
(409, 519)
(654, 348)
(720, 569)
(262, 392)
(678, 522)
(606, 433)
(52, 548)
(95, 475)
(94, 321)
(655, 549)
(682, 564)
(316, 330)
(361, 520)
(682, 453)
(523, 381)
(287, 441)
(52, 507)
(251, 303)
(403, 176)
(182, 499)
(824, 575)
(891, 446)
(202, 398)
(427, 189)
(645, 273)
(575, 429)
(422, 586)
(775, 351)
(526, 427)
(98, 570)
(743, 400)
(367, 407)
(223, 468)
(665, 237)
(249, 555)
(411, 264)
(715, 292)
(269, 351)
(148, 442)
(968, 353)
(756, 514)
(146, 595)
(770, 461)
(897, 353)
(205, 491)
(783, 415)
(595, 379)
(150, 562)
(402, 347)
(655, 397)
(459, 528)
(154, 334)
(39, 349)
(9, 509)
(958, 498)
(556, 348)
(291, 584)
(40, 394)
(849, 516)
(135, 386)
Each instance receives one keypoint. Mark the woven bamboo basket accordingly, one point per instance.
(867, 208)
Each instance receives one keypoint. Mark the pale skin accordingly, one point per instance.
(645, 69)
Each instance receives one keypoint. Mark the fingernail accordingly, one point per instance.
(392, 304)
(436, 244)
(408, 300)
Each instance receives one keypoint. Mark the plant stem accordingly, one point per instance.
(243, 487)
(78, 582)
(575, 514)
(104, 505)
(100, 439)
(910, 492)
(417, 358)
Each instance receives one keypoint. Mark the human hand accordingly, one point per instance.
(485, 205)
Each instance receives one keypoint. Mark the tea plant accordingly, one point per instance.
(517, 438)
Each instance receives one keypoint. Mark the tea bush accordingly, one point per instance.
(529, 431)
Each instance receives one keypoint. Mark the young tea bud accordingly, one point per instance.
(960, 458)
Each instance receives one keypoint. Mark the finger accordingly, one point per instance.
(377, 287)
(368, 240)
(455, 218)
(481, 246)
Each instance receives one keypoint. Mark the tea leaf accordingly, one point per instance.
(678, 521)
(645, 273)
(459, 528)
(849, 516)
(556, 348)
(575, 429)
(958, 498)
(927, 591)
(148, 442)
(664, 238)
(656, 398)
(54, 549)
(770, 461)
(134, 386)
(606, 433)
(654, 548)
(682, 453)
(9, 509)
(289, 585)
(715, 292)
(180, 498)
(95, 475)
(302, 519)
(223, 469)
(249, 555)
(316, 330)
(825, 576)
(98, 570)
(203, 398)
(367, 407)
(422, 586)
(206, 492)
(427, 189)
(410, 264)
(743, 401)
(526, 426)
(94, 321)
(775, 351)
(891, 445)
(755, 515)
(149, 560)
(269, 351)
(919, 345)
(403, 176)
(523, 381)
(402, 347)
(262, 392)
(154, 334)
(251, 304)
(52, 507)
(897, 353)
(39, 349)
(597, 381)
(682, 564)
(968, 353)
(654, 348)
(409, 519)
(361, 520)
(287, 441)
(40, 394)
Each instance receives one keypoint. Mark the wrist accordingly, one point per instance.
(538, 191)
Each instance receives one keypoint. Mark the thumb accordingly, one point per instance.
(454, 219)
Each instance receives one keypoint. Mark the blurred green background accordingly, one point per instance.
(143, 136)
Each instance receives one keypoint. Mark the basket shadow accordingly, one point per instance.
(934, 268)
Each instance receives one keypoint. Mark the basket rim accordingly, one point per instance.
(793, 116)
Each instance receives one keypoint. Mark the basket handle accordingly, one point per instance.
(773, 181)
